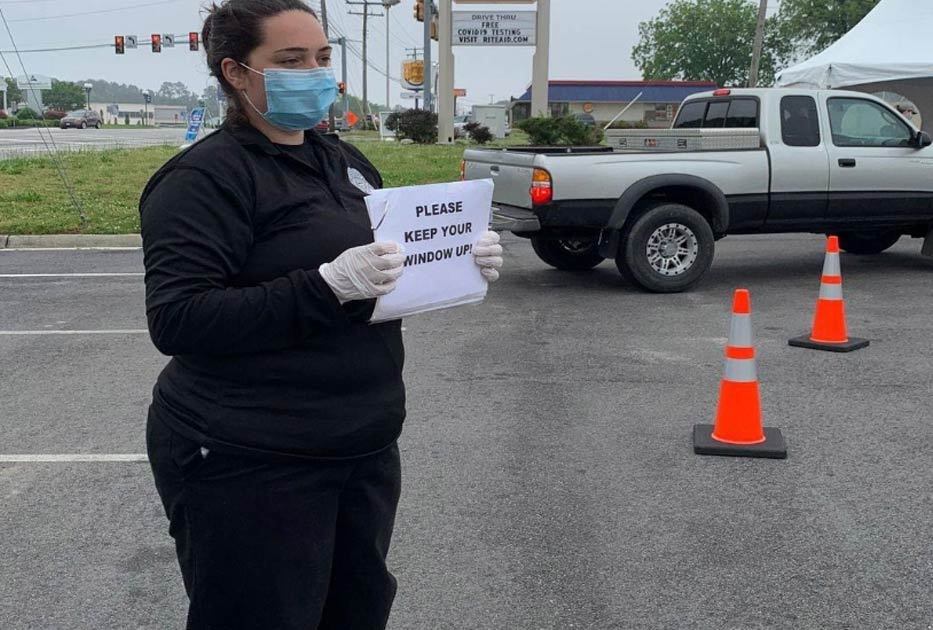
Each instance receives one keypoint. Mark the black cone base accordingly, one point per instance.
(851, 345)
(773, 447)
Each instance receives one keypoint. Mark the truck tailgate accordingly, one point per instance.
(510, 171)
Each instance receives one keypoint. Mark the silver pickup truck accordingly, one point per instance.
(740, 161)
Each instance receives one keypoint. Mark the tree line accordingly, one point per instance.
(711, 40)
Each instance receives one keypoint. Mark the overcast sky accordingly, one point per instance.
(590, 39)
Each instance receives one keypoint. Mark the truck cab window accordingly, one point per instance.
(800, 124)
(691, 115)
(743, 114)
(860, 123)
(716, 115)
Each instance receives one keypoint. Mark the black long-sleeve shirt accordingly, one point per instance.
(265, 358)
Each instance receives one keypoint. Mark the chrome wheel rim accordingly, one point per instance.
(672, 249)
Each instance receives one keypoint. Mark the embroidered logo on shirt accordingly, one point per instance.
(356, 178)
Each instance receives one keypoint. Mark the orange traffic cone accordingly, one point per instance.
(829, 323)
(738, 430)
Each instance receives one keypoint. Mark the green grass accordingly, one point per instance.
(34, 200)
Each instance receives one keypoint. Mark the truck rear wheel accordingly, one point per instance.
(667, 249)
(568, 254)
(867, 243)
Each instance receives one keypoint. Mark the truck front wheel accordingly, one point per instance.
(568, 254)
(667, 249)
(867, 243)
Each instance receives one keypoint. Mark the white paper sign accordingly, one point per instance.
(437, 225)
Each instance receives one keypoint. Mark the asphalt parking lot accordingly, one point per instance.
(549, 480)
(32, 142)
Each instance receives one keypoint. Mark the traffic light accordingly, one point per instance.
(342, 87)
(193, 41)
(156, 43)
(119, 44)
(419, 10)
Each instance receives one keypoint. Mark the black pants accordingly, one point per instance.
(278, 546)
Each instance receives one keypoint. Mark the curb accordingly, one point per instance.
(70, 241)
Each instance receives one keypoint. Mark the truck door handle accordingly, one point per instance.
(847, 162)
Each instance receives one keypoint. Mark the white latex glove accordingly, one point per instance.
(364, 272)
(488, 255)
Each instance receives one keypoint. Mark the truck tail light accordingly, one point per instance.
(462, 170)
(541, 191)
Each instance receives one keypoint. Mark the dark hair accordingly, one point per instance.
(233, 29)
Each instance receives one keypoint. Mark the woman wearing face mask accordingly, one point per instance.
(272, 430)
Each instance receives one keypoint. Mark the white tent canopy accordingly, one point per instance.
(891, 50)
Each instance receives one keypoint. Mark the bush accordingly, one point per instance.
(566, 131)
(26, 114)
(4, 124)
(415, 124)
(478, 133)
(26, 122)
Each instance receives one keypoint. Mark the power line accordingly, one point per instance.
(98, 12)
(37, 50)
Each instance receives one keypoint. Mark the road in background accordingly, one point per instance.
(33, 142)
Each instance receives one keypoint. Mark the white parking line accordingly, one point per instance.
(71, 275)
(68, 249)
(129, 331)
(74, 457)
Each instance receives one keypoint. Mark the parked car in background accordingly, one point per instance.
(459, 123)
(81, 119)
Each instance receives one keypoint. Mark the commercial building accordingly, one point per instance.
(656, 104)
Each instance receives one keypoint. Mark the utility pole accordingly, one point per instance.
(388, 4)
(759, 43)
(366, 15)
(331, 119)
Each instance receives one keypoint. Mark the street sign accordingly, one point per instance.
(410, 96)
(494, 28)
(34, 82)
(131, 41)
(168, 40)
(147, 97)
(194, 124)
(459, 92)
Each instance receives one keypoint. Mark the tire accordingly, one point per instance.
(84, 124)
(570, 254)
(98, 125)
(867, 243)
(647, 258)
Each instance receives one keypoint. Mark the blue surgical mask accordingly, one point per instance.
(296, 99)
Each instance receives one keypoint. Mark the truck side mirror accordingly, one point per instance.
(922, 139)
